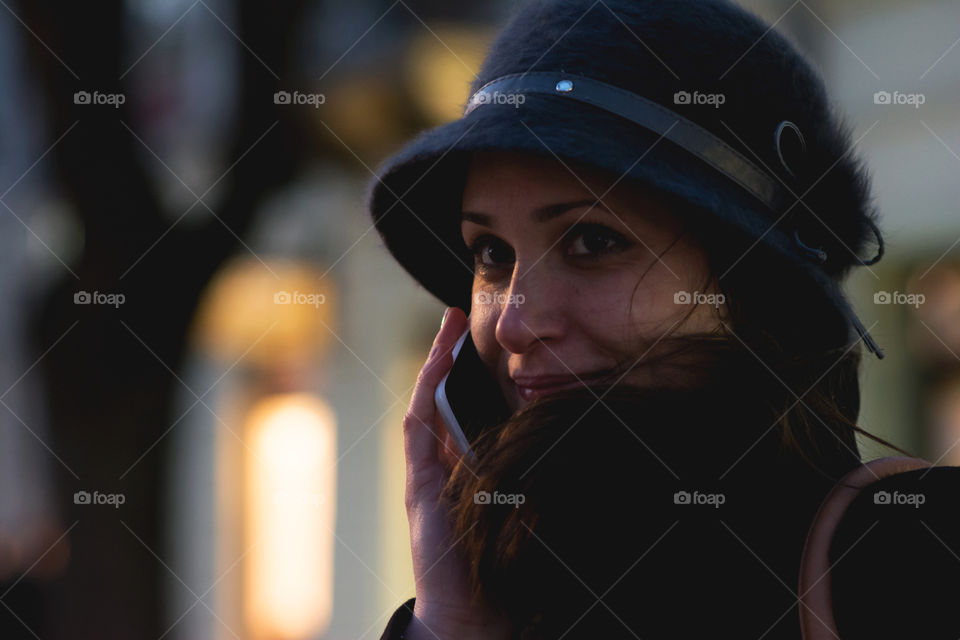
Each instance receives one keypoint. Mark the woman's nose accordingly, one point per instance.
(531, 309)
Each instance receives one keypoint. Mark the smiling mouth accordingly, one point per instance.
(528, 394)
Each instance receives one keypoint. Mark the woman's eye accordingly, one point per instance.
(588, 240)
(594, 240)
(490, 252)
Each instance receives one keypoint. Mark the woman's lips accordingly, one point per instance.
(528, 394)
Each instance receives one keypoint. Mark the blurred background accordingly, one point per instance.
(206, 351)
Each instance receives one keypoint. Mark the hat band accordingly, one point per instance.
(650, 115)
(683, 132)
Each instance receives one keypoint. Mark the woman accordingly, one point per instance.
(647, 210)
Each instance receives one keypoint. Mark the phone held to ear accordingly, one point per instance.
(468, 398)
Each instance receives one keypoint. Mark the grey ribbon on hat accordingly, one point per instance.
(648, 114)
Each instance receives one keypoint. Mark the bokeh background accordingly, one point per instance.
(206, 352)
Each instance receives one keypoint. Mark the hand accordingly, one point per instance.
(443, 608)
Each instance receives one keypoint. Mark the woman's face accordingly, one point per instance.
(566, 286)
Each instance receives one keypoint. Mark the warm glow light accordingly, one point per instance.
(290, 513)
(274, 315)
(440, 65)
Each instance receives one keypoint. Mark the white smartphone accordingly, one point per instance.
(468, 398)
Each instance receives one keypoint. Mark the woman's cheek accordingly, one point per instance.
(483, 326)
(617, 295)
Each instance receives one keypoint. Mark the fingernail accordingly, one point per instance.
(446, 312)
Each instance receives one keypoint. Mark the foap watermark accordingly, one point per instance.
(711, 499)
(898, 297)
(696, 98)
(499, 97)
(297, 98)
(97, 98)
(96, 297)
(485, 497)
(297, 297)
(485, 297)
(896, 497)
(910, 99)
(698, 297)
(112, 499)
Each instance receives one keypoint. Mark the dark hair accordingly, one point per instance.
(775, 332)
(578, 487)
(808, 370)
(780, 379)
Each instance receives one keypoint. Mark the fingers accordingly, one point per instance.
(421, 433)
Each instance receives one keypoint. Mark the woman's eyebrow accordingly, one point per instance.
(541, 214)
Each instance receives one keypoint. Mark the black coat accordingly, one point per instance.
(894, 574)
(642, 533)
(668, 567)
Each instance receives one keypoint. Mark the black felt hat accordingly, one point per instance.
(697, 98)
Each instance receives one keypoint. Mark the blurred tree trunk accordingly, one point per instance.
(109, 397)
